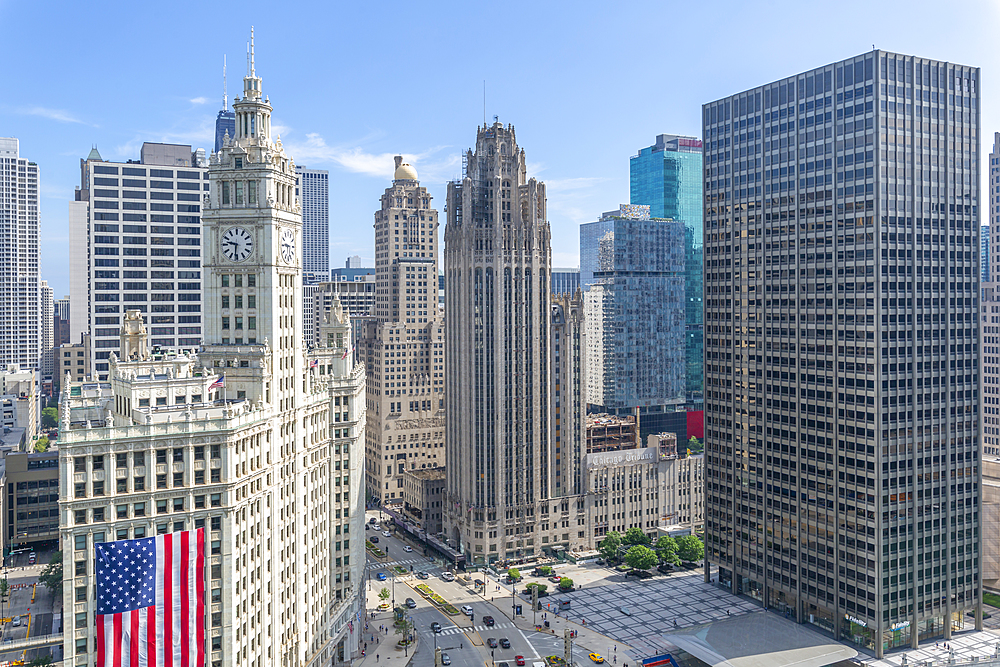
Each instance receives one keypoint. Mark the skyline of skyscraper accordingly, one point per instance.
(842, 406)
(667, 177)
(504, 469)
(20, 305)
(313, 189)
(263, 438)
(635, 315)
(402, 344)
(140, 226)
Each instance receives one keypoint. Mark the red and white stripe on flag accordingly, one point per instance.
(170, 632)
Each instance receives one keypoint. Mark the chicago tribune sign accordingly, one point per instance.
(627, 457)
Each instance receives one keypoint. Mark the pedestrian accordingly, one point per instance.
(376, 657)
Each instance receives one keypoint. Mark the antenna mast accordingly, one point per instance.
(484, 102)
(225, 90)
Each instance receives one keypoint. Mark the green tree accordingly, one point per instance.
(565, 583)
(695, 445)
(666, 550)
(609, 545)
(40, 661)
(690, 548)
(635, 535)
(50, 417)
(404, 626)
(545, 570)
(52, 575)
(42, 444)
(4, 587)
(640, 557)
(384, 594)
(541, 587)
(514, 574)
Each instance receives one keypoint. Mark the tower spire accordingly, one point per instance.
(252, 72)
(225, 90)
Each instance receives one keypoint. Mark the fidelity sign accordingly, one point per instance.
(627, 457)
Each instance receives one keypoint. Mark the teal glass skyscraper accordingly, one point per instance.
(667, 177)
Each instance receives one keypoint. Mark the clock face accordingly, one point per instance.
(287, 245)
(237, 244)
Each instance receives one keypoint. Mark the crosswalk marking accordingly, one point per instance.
(479, 628)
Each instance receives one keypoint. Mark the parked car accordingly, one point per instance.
(423, 575)
(435, 627)
(488, 620)
(411, 603)
(504, 642)
(380, 576)
(491, 642)
(445, 659)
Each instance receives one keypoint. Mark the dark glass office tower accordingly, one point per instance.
(841, 401)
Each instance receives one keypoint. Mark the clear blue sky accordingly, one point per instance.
(586, 84)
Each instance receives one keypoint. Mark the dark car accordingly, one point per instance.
(503, 664)
(423, 575)
(491, 642)
(488, 620)
(435, 627)
(373, 520)
(411, 603)
(504, 642)
(373, 539)
(366, 527)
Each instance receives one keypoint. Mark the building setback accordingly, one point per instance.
(20, 305)
(403, 343)
(841, 346)
(140, 223)
(506, 495)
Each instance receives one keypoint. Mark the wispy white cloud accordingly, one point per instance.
(430, 164)
(52, 114)
(199, 100)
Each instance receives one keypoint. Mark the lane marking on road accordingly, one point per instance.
(520, 632)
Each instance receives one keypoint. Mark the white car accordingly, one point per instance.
(17, 622)
(407, 548)
(448, 576)
(385, 533)
(467, 610)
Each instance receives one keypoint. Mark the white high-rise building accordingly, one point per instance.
(46, 306)
(313, 189)
(135, 230)
(270, 465)
(20, 310)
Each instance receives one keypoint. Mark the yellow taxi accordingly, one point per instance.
(597, 657)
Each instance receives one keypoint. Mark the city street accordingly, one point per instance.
(36, 616)
(464, 640)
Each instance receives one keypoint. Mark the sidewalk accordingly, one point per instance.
(382, 643)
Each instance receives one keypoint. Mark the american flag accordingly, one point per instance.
(218, 384)
(344, 356)
(151, 601)
(313, 364)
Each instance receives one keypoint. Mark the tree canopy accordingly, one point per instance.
(565, 583)
(609, 545)
(514, 573)
(50, 417)
(52, 575)
(635, 535)
(690, 548)
(666, 550)
(640, 557)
